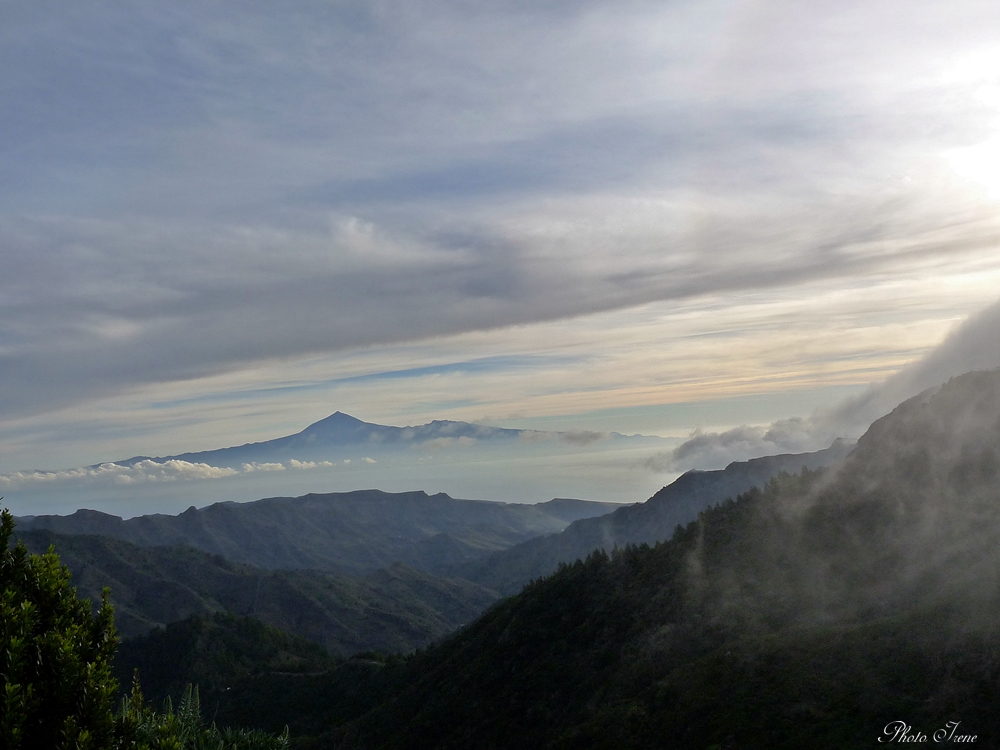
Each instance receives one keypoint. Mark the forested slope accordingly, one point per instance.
(810, 614)
(349, 532)
(642, 523)
(396, 609)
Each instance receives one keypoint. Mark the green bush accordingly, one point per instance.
(56, 688)
(142, 728)
(55, 655)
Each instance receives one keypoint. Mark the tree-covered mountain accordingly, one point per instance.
(214, 652)
(395, 609)
(351, 532)
(642, 523)
(815, 613)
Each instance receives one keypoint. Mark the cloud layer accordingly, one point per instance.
(147, 470)
(112, 473)
(202, 192)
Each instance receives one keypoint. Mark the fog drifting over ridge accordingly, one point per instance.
(974, 345)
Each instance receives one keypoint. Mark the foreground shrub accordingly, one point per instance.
(56, 688)
(55, 656)
(142, 728)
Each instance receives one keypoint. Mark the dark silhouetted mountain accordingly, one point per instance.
(643, 523)
(813, 613)
(394, 610)
(352, 532)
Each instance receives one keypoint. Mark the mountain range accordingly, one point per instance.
(353, 532)
(340, 454)
(655, 520)
(823, 610)
(325, 556)
(395, 609)
(791, 601)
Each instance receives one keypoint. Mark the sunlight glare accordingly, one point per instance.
(979, 163)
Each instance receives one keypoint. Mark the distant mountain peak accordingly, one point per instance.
(337, 418)
(342, 438)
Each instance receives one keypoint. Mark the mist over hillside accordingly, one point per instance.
(813, 613)
(652, 521)
(974, 345)
(482, 375)
(836, 593)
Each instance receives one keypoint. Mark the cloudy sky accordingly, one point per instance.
(220, 222)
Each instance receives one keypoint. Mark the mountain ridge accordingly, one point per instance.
(395, 609)
(810, 613)
(647, 522)
(350, 532)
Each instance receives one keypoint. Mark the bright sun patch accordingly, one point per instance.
(980, 164)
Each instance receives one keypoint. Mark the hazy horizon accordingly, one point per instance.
(746, 228)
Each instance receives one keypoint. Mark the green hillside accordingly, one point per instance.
(213, 652)
(653, 521)
(810, 614)
(349, 532)
(393, 610)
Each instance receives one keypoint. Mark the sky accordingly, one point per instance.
(713, 220)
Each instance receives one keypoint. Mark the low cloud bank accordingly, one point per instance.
(974, 345)
(293, 464)
(713, 450)
(252, 467)
(112, 473)
(148, 470)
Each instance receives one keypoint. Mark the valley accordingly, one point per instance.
(499, 376)
(743, 603)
